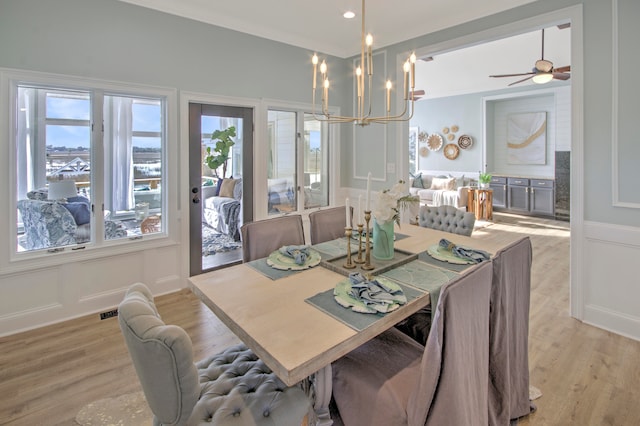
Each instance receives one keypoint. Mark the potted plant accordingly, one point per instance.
(484, 179)
(219, 155)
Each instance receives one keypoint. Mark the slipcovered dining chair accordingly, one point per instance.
(447, 218)
(262, 237)
(231, 388)
(393, 380)
(509, 333)
(327, 224)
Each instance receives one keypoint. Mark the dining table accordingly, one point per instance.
(278, 318)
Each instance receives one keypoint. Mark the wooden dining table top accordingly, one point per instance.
(293, 337)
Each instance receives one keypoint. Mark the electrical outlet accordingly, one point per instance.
(109, 314)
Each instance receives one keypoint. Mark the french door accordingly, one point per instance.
(209, 219)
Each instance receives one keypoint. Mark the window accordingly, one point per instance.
(89, 166)
(298, 163)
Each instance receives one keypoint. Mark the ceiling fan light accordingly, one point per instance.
(542, 78)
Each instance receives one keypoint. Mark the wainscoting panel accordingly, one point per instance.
(44, 296)
(612, 283)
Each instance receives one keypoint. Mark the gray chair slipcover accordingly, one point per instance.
(447, 218)
(509, 333)
(328, 224)
(392, 380)
(231, 388)
(262, 237)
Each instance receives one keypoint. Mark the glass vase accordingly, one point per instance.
(383, 236)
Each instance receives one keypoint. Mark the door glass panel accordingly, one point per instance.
(282, 160)
(221, 189)
(316, 164)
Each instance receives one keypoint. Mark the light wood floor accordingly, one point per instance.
(587, 376)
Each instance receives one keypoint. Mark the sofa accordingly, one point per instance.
(49, 224)
(442, 188)
(222, 206)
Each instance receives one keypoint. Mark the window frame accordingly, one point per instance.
(327, 132)
(13, 260)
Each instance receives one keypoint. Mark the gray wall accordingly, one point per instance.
(597, 127)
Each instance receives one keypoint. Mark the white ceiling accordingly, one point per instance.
(320, 27)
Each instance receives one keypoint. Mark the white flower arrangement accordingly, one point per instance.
(392, 201)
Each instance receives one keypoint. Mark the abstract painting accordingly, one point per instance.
(527, 138)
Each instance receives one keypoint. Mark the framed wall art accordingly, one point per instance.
(527, 138)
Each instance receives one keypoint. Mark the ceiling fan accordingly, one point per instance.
(542, 72)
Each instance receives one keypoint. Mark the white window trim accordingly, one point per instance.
(261, 151)
(12, 261)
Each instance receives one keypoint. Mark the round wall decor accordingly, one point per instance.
(451, 151)
(434, 142)
(455, 128)
(465, 141)
(451, 136)
(422, 136)
(445, 130)
(423, 151)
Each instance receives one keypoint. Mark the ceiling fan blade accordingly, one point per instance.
(561, 76)
(512, 75)
(566, 68)
(520, 81)
(418, 93)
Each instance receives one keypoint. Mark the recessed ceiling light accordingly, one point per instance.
(349, 14)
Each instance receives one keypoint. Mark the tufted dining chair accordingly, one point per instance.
(447, 218)
(262, 237)
(231, 388)
(394, 381)
(327, 224)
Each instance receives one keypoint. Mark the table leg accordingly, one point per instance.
(320, 393)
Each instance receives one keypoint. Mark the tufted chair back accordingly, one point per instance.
(230, 388)
(447, 218)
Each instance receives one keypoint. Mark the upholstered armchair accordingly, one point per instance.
(230, 388)
(49, 224)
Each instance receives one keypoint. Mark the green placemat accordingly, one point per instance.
(425, 257)
(261, 266)
(335, 248)
(326, 303)
(421, 275)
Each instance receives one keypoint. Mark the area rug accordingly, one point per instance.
(125, 410)
(213, 242)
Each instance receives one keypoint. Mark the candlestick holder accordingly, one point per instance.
(349, 264)
(359, 260)
(367, 249)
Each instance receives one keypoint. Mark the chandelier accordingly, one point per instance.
(364, 92)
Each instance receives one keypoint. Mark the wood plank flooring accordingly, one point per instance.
(588, 376)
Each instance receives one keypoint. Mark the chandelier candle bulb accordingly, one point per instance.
(388, 96)
(314, 61)
(406, 69)
(412, 58)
